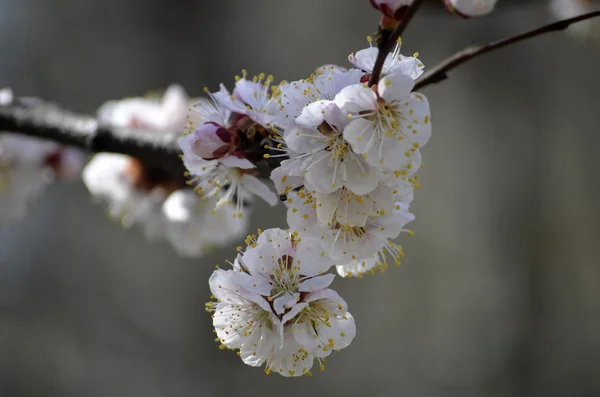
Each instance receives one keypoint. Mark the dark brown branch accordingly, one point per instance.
(439, 72)
(385, 49)
(48, 121)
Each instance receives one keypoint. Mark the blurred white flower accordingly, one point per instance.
(193, 227)
(563, 9)
(471, 8)
(116, 179)
(27, 165)
(6, 96)
(389, 123)
(165, 114)
(276, 307)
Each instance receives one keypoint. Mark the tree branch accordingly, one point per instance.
(385, 49)
(439, 72)
(40, 119)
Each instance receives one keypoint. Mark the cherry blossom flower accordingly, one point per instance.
(324, 85)
(252, 98)
(471, 8)
(228, 177)
(389, 122)
(193, 227)
(276, 307)
(365, 60)
(352, 227)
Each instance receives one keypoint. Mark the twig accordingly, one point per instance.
(439, 72)
(40, 119)
(391, 41)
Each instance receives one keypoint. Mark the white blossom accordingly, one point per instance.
(471, 8)
(352, 227)
(229, 178)
(394, 61)
(252, 98)
(193, 226)
(389, 122)
(276, 307)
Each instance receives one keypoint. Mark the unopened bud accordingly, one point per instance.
(212, 141)
(471, 8)
(393, 9)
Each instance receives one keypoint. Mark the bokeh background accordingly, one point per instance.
(499, 294)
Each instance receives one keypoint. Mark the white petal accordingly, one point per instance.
(316, 283)
(323, 174)
(359, 134)
(255, 186)
(303, 140)
(364, 59)
(356, 98)
(395, 86)
(236, 162)
(358, 175)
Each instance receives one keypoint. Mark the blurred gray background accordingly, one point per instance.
(499, 293)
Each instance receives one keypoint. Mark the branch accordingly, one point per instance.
(439, 72)
(385, 49)
(40, 119)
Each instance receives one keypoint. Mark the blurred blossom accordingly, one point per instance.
(589, 29)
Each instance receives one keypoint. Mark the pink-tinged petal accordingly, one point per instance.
(285, 302)
(364, 59)
(255, 186)
(315, 284)
(232, 161)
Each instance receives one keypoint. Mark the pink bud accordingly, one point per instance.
(391, 8)
(211, 141)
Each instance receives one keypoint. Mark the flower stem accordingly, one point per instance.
(386, 47)
(439, 72)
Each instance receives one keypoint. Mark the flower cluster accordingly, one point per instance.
(140, 195)
(344, 156)
(353, 152)
(276, 306)
(28, 165)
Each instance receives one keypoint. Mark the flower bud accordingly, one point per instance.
(211, 141)
(391, 8)
(471, 8)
